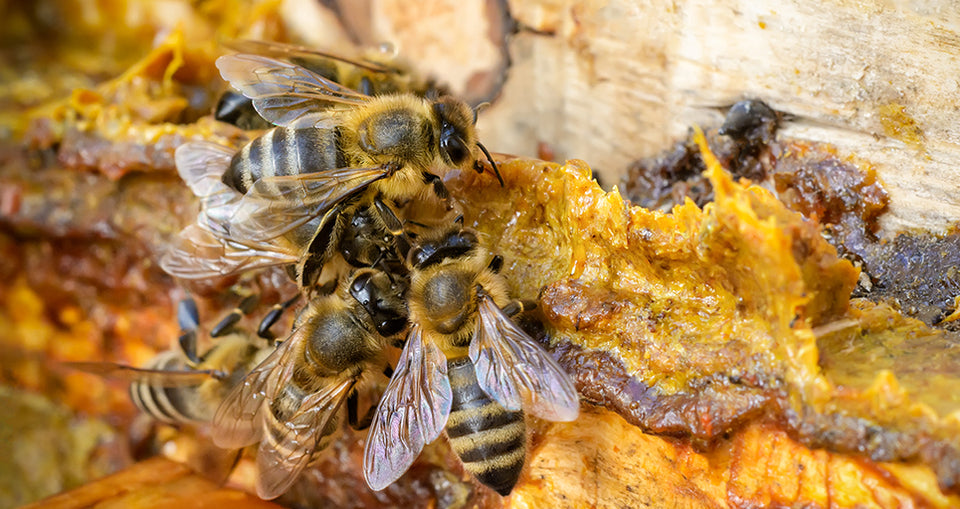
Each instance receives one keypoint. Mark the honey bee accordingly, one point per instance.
(465, 368)
(366, 237)
(177, 386)
(376, 71)
(290, 402)
(335, 152)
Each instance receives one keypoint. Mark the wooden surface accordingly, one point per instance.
(602, 461)
(609, 82)
(612, 81)
(155, 483)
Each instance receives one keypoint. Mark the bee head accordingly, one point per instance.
(457, 133)
(456, 243)
(382, 299)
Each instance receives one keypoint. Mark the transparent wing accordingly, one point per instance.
(196, 253)
(516, 371)
(412, 412)
(277, 205)
(236, 422)
(153, 377)
(202, 164)
(283, 92)
(205, 249)
(289, 51)
(281, 458)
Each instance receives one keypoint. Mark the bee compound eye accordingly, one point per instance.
(360, 289)
(455, 149)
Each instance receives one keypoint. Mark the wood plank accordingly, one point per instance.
(154, 483)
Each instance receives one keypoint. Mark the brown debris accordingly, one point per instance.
(915, 272)
(696, 323)
(742, 144)
(918, 273)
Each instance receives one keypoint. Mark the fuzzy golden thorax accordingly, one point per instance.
(398, 128)
(338, 335)
(443, 299)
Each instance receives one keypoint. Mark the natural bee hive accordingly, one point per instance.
(719, 355)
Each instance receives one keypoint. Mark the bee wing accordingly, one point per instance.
(236, 421)
(288, 51)
(202, 164)
(283, 92)
(154, 377)
(277, 205)
(412, 412)
(281, 459)
(204, 249)
(196, 253)
(516, 371)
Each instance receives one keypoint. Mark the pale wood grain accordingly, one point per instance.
(613, 81)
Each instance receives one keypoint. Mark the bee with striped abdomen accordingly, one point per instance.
(179, 387)
(365, 237)
(290, 402)
(466, 368)
(335, 152)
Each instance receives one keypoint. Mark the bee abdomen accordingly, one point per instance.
(488, 438)
(284, 151)
(278, 435)
(172, 405)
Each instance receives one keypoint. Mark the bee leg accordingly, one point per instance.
(388, 216)
(327, 288)
(187, 315)
(226, 325)
(188, 344)
(366, 86)
(518, 306)
(394, 225)
(271, 318)
(390, 272)
(189, 319)
(309, 269)
(352, 414)
(438, 188)
(496, 264)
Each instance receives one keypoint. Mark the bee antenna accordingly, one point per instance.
(476, 110)
(496, 170)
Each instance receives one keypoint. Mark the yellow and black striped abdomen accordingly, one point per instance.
(172, 405)
(488, 438)
(285, 151)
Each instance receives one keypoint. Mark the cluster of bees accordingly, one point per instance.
(344, 192)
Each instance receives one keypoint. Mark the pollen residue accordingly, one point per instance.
(900, 125)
